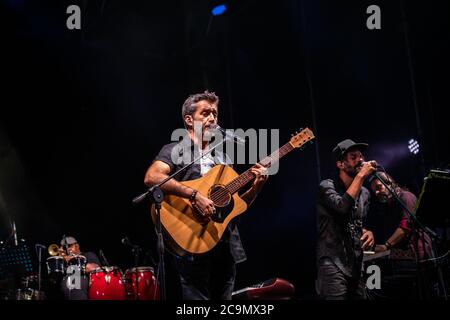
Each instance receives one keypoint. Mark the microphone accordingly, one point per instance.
(376, 173)
(138, 199)
(373, 163)
(127, 242)
(373, 174)
(228, 134)
(41, 246)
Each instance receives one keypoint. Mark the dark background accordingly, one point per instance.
(84, 112)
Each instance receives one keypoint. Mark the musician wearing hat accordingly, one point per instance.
(79, 264)
(342, 205)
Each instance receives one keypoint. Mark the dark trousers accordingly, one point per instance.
(333, 284)
(207, 277)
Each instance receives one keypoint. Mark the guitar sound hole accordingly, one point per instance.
(220, 195)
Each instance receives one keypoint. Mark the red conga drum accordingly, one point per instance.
(106, 283)
(141, 284)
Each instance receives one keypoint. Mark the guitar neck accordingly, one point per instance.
(241, 181)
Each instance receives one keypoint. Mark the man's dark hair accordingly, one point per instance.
(390, 182)
(189, 105)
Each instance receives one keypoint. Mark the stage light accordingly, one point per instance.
(413, 146)
(218, 10)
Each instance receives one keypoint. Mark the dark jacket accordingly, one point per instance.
(339, 221)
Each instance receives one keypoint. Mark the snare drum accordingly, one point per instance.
(106, 284)
(55, 265)
(145, 287)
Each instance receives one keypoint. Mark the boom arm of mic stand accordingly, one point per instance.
(156, 195)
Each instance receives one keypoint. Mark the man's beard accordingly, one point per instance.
(352, 171)
(383, 197)
(203, 131)
(208, 133)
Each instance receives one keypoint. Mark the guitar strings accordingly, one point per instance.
(223, 193)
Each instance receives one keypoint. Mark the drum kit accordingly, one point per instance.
(106, 283)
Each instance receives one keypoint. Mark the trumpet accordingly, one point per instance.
(54, 250)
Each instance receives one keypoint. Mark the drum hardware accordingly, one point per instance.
(28, 290)
(38, 248)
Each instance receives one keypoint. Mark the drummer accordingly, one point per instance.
(84, 261)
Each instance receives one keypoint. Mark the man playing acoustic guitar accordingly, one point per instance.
(210, 275)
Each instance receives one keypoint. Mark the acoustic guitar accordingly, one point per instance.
(188, 231)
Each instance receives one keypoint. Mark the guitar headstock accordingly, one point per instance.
(302, 137)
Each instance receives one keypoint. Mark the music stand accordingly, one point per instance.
(15, 260)
(15, 263)
(432, 205)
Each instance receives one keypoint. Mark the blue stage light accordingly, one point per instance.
(218, 10)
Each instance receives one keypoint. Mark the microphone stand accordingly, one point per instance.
(39, 247)
(418, 226)
(16, 243)
(105, 261)
(66, 249)
(136, 250)
(156, 195)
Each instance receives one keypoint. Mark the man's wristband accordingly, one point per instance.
(193, 195)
